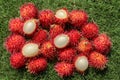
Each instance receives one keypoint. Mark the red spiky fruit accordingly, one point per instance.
(14, 43)
(30, 26)
(64, 69)
(97, 60)
(67, 55)
(84, 46)
(17, 60)
(48, 50)
(37, 65)
(55, 30)
(74, 37)
(78, 18)
(30, 49)
(16, 25)
(102, 44)
(28, 11)
(40, 36)
(61, 40)
(90, 30)
(46, 18)
(61, 16)
(81, 63)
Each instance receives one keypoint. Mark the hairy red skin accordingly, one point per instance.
(28, 11)
(67, 55)
(61, 21)
(55, 30)
(14, 43)
(78, 18)
(102, 44)
(40, 36)
(90, 30)
(74, 37)
(48, 50)
(46, 18)
(17, 60)
(97, 60)
(37, 65)
(16, 25)
(64, 69)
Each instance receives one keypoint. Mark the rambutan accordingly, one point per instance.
(16, 25)
(40, 36)
(74, 37)
(30, 49)
(48, 50)
(97, 60)
(90, 30)
(46, 18)
(30, 26)
(102, 44)
(37, 65)
(81, 63)
(28, 11)
(78, 18)
(64, 69)
(61, 16)
(14, 43)
(17, 60)
(61, 41)
(67, 55)
(55, 30)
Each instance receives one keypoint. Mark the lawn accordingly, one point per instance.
(106, 13)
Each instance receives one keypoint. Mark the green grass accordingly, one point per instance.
(106, 13)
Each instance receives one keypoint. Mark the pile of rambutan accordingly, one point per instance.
(41, 36)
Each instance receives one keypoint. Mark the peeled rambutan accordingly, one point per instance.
(16, 25)
(46, 18)
(48, 50)
(102, 44)
(17, 60)
(81, 63)
(28, 11)
(90, 30)
(40, 36)
(84, 46)
(97, 60)
(30, 27)
(30, 49)
(61, 40)
(64, 69)
(61, 16)
(74, 37)
(14, 43)
(78, 18)
(67, 55)
(37, 65)
(55, 30)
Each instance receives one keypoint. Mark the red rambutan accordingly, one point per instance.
(102, 44)
(78, 18)
(97, 60)
(17, 60)
(37, 65)
(14, 43)
(28, 11)
(64, 69)
(46, 18)
(90, 30)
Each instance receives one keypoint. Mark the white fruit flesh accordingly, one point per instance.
(29, 26)
(30, 50)
(61, 14)
(81, 63)
(61, 41)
